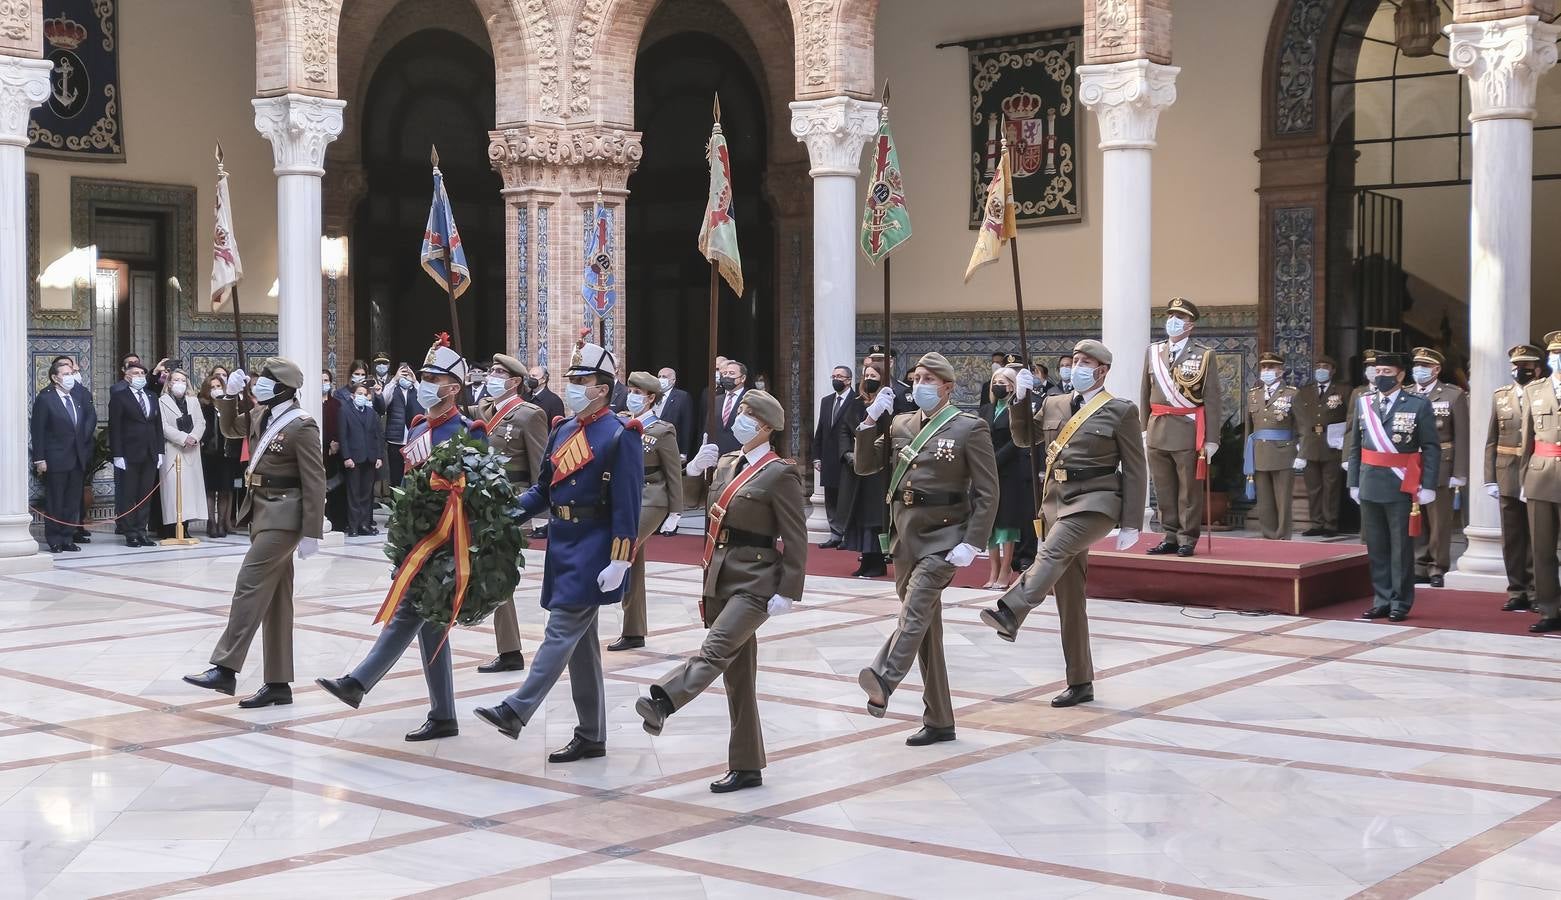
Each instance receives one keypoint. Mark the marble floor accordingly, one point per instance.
(1228, 756)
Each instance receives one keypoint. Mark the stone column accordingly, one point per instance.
(299, 129)
(1127, 98)
(24, 83)
(1503, 60)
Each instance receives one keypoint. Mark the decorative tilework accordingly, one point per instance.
(542, 273)
(1295, 300)
(794, 363)
(523, 326)
(332, 299)
(1296, 99)
(43, 348)
(33, 264)
(201, 354)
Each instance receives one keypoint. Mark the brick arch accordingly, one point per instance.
(295, 46)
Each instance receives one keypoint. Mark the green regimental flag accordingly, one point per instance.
(886, 223)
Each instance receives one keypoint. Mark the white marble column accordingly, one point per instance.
(1127, 98)
(24, 83)
(299, 129)
(835, 130)
(1503, 60)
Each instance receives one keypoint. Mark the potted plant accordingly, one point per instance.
(1225, 475)
(101, 456)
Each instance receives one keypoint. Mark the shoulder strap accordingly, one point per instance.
(1054, 449)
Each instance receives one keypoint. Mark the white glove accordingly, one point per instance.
(1457, 482)
(670, 526)
(1355, 495)
(1209, 450)
(1024, 383)
(703, 460)
(307, 547)
(612, 576)
(1522, 495)
(159, 460)
(1126, 538)
(1425, 496)
(883, 403)
(236, 381)
(119, 462)
(1493, 490)
(1299, 465)
(779, 606)
(962, 556)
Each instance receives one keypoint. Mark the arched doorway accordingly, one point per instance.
(675, 81)
(433, 88)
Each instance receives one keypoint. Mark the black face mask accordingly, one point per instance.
(838, 385)
(1386, 383)
(999, 392)
(532, 384)
(727, 384)
(871, 385)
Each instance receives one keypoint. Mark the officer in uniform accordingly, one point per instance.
(1097, 479)
(755, 499)
(1181, 393)
(517, 428)
(1369, 360)
(659, 498)
(1450, 405)
(1322, 409)
(591, 481)
(1542, 484)
(943, 491)
(1504, 477)
(284, 507)
(443, 378)
(1393, 469)
(1271, 459)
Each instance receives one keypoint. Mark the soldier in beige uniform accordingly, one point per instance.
(1504, 477)
(943, 491)
(284, 507)
(1096, 479)
(517, 428)
(1181, 397)
(1542, 484)
(1322, 411)
(661, 495)
(1450, 405)
(1271, 459)
(755, 499)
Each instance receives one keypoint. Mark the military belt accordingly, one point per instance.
(279, 482)
(736, 537)
(1509, 451)
(580, 512)
(1447, 445)
(911, 497)
(1083, 473)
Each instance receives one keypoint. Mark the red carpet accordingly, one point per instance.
(1445, 608)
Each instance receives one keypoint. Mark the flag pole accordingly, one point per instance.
(1024, 348)
(888, 348)
(449, 263)
(715, 313)
(238, 330)
(601, 319)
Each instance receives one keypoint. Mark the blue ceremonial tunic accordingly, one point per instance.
(603, 512)
(447, 429)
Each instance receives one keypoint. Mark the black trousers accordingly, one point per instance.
(1385, 528)
(131, 485)
(62, 501)
(395, 465)
(360, 496)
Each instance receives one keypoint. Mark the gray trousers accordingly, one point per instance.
(919, 635)
(393, 641)
(569, 641)
(1060, 566)
(262, 601)
(731, 651)
(1385, 529)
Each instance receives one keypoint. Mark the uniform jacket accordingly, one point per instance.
(362, 438)
(1352, 411)
(663, 490)
(1411, 428)
(1314, 413)
(1450, 405)
(293, 454)
(1541, 422)
(401, 407)
(578, 549)
(64, 445)
(1196, 366)
(1112, 437)
(769, 503)
(957, 460)
(1277, 413)
(1504, 467)
(133, 435)
(521, 435)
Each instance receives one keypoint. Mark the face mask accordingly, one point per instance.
(406, 383)
(636, 403)
(265, 389)
(325, 389)
(178, 388)
(1082, 378)
(666, 385)
(1268, 376)
(68, 381)
(999, 392)
(381, 371)
(1323, 376)
(576, 397)
(838, 385)
(871, 385)
(362, 401)
(1523, 375)
(533, 383)
(758, 385)
(497, 385)
(1174, 326)
(1385, 383)
(745, 428)
(927, 397)
(1065, 374)
(1555, 362)
(1422, 374)
(428, 394)
(1370, 374)
(727, 384)
(138, 382)
(357, 378)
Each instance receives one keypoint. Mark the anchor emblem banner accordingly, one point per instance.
(82, 118)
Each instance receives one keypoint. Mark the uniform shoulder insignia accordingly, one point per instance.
(417, 420)
(788, 462)
(634, 425)
(557, 421)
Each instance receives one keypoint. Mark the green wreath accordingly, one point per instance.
(498, 536)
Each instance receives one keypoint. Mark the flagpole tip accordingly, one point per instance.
(219, 153)
(433, 155)
(717, 109)
(885, 100)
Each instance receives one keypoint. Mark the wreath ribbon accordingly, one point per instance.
(452, 525)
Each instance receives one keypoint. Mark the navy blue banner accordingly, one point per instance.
(82, 117)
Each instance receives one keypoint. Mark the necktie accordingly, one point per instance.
(70, 408)
(742, 462)
(840, 401)
(1382, 406)
(1321, 392)
(726, 409)
(1078, 402)
(141, 399)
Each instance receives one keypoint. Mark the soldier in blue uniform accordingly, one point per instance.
(439, 392)
(590, 482)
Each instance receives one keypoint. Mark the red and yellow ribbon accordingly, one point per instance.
(452, 526)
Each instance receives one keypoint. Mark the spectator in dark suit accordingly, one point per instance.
(62, 430)
(401, 407)
(332, 403)
(550, 402)
(135, 436)
(828, 452)
(677, 409)
(475, 388)
(82, 395)
(732, 386)
(362, 455)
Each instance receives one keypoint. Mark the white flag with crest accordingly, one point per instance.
(227, 270)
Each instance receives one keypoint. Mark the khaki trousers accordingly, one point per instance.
(1275, 491)
(919, 635)
(1060, 566)
(1544, 527)
(506, 628)
(1436, 538)
(262, 601)
(1178, 494)
(731, 651)
(1516, 549)
(1323, 481)
(634, 624)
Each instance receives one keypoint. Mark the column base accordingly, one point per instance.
(1480, 568)
(18, 550)
(333, 539)
(818, 519)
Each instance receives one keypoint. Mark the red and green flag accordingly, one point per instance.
(718, 233)
(886, 222)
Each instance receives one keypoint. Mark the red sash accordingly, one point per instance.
(503, 409)
(1547, 449)
(718, 508)
(1408, 462)
(1159, 409)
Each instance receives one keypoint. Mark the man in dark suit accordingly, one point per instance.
(729, 396)
(475, 389)
(541, 396)
(135, 436)
(828, 454)
(62, 429)
(401, 407)
(82, 396)
(677, 409)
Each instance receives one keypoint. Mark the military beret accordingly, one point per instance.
(1327, 361)
(1429, 356)
(382, 357)
(284, 372)
(765, 408)
(510, 364)
(935, 363)
(876, 352)
(1270, 358)
(1390, 358)
(1523, 353)
(646, 382)
(1553, 341)
(1094, 350)
(1184, 306)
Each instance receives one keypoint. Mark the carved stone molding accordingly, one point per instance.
(1480, 10)
(542, 157)
(1122, 30)
(587, 27)
(299, 129)
(24, 83)
(1503, 60)
(818, 18)
(835, 130)
(1127, 98)
(16, 21)
(317, 51)
(538, 20)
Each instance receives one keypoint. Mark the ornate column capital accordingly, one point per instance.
(1503, 60)
(299, 129)
(1127, 98)
(539, 156)
(24, 83)
(835, 130)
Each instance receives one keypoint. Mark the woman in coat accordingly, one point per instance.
(1014, 505)
(862, 496)
(361, 448)
(183, 480)
(214, 460)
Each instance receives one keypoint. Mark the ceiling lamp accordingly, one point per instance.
(1416, 27)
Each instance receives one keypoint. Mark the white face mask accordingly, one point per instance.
(927, 397)
(1065, 374)
(381, 370)
(362, 401)
(325, 388)
(68, 381)
(138, 382)
(1555, 363)
(497, 385)
(1175, 326)
(178, 388)
(265, 389)
(357, 378)
(1268, 376)
(1323, 376)
(1422, 374)
(428, 394)
(576, 397)
(745, 428)
(636, 403)
(1082, 378)
(666, 385)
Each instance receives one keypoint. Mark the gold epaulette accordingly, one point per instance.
(622, 549)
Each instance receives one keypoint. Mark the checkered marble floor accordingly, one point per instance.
(1227, 756)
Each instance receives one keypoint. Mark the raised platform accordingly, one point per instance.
(1287, 577)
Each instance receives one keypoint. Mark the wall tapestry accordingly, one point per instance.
(1023, 86)
(82, 118)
